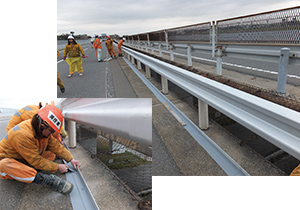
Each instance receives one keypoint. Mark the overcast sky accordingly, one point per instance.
(132, 16)
(18, 103)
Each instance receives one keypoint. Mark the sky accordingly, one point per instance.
(132, 16)
(18, 103)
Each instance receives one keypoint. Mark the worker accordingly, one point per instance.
(120, 43)
(26, 113)
(73, 50)
(23, 114)
(59, 81)
(25, 149)
(98, 48)
(109, 45)
(92, 42)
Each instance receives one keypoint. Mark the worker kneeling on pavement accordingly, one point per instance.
(30, 146)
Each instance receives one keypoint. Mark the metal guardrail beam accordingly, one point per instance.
(277, 124)
(230, 167)
(256, 52)
(130, 118)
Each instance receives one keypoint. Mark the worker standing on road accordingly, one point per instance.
(26, 148)
(98, 48)
(73, 50)
(92, 42)
(109, 45)
(120, 43)
(59, 82)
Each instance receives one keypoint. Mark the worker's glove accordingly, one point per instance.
(64, 58)
(85, 56)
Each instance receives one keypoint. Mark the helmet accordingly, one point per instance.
(107, 36)
(124, 39)
(52, 115)
(70, 37)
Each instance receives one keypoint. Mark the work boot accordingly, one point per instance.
(58, 184)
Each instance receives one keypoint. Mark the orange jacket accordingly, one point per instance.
(21, 145)
(120, 43)
(25, 113)
(97, 43)
(109, 43)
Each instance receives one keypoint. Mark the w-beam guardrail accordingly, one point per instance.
(271, 36)
(130, 118)
(277, 124)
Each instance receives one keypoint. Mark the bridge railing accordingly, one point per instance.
(271, 36)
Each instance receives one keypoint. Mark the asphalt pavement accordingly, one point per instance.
(99, 80)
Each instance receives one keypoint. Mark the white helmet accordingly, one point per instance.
(124, 39)
(70, 37)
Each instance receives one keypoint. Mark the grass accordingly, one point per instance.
(117, 161)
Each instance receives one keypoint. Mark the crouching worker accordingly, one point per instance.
(30, 146)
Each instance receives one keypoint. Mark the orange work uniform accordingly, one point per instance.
(120, 43)
(109, 45)
(296, 171)
(21, 153)
(25, 113)
(97, 45)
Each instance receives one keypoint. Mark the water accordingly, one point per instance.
(62, 43)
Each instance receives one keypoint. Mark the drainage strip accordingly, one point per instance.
(229, 166)
(81, 196)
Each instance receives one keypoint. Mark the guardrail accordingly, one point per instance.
(130, 118)
(270, 36)
(275, 123)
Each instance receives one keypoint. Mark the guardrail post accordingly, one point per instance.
(167, 39)
(148, 73)
(132, 60)
(160, 51)
(148, 38)
(128, 57)
(283, 69)
(189, 54)
(72, 133)
(171, 52)
(152, 50)
(213, 38)
(203, 114)
(219, 60)
(164, 83)
(139, 65)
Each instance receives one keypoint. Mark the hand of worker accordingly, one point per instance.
(63, 168)
(84, 56)
(75, 163)
(64, 58)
